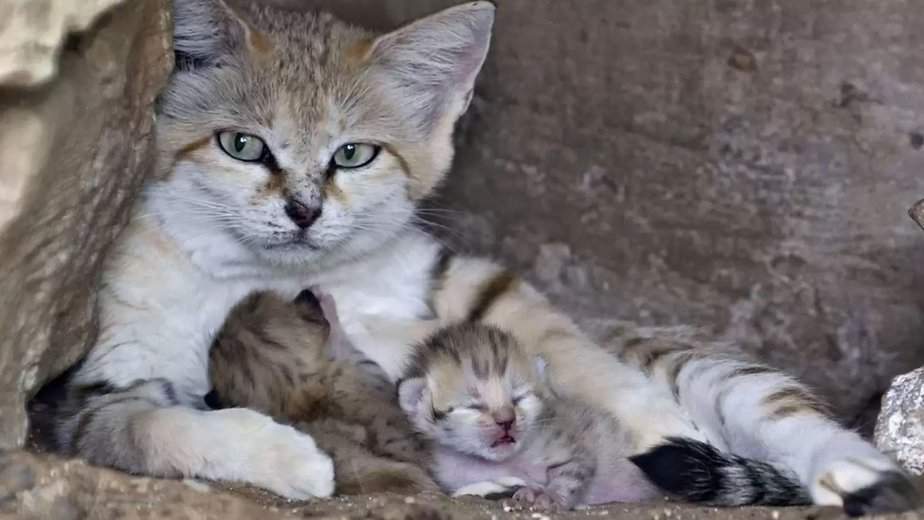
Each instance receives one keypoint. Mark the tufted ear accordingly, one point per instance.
(206, 31)
(432, 63)
(410, 393)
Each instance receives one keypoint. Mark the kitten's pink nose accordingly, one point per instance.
(303, 215)
(504, 418)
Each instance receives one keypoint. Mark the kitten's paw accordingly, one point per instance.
(491, 489)
(283, 460)
(537, 498)
(865, 486)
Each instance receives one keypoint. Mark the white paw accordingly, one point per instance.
(279, 458)
(864, 486)
(293, 466)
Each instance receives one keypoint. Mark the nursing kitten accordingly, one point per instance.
(493, 418)
(284, 360)
(293, 150)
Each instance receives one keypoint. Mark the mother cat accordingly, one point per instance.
(293, 148)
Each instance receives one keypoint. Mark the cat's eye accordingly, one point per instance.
(519, 397)
(241, 146)
(355, 155)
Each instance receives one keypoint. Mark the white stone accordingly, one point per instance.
(33, 31)
(900, 428)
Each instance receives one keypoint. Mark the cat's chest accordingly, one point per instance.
(383, 304)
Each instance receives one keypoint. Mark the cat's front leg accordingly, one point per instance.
(143, 429)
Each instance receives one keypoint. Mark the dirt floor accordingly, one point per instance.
(432, 506)
(37, 486)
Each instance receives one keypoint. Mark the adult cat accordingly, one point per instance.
(293, 149)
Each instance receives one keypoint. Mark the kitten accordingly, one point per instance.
(293, 150)
(284, 360)
(493, 417)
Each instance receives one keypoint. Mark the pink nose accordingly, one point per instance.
(504, 418)
(506, 425)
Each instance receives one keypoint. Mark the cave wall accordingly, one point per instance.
(76, 126)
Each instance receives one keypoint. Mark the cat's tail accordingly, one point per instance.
(698, 472)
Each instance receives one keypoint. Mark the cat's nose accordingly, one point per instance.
(506, 425)
(301, 214)
(504, 418)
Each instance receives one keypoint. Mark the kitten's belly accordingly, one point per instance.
(619, 481)
(454, 471)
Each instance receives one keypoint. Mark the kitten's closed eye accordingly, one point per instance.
(522, 395)
(441, 414)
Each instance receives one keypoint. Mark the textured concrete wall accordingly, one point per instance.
(742, 165)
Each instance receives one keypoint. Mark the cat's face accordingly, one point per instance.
(300, 136)
(488, 411)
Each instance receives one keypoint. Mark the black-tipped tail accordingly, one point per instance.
(697, 472)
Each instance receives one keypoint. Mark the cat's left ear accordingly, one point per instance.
(432, 63)
(542, 370)
(542, 367)
(410, 393)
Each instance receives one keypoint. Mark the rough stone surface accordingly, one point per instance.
(32, 33)
(73, 153)
(742, 165)
(900, 429)
(39, 487)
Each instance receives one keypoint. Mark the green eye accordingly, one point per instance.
(243, 147)
(355, 155)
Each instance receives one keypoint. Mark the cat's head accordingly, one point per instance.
(303, 137)
(476, 391)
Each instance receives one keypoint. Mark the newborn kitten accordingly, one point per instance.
(493, 417)
(284, 360)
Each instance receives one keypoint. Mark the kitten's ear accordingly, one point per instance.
(542, 368)
(433, 61)
(410, 393)
(206, 31)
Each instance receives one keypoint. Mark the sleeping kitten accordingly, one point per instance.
(284, 360)
(492, 416)
(494, 419)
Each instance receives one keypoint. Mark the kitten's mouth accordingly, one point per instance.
(504, 440)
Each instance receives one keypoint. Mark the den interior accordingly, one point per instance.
(742, 166)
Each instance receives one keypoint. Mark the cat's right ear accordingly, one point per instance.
(432, 63)
(410, 393)
(205, 32)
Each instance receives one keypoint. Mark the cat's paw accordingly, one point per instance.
(537, 498)
(865, 486)
(283, 460)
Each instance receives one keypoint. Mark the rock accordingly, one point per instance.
(41, 487)
(74, 151)
(900, 428)
(32, 34)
